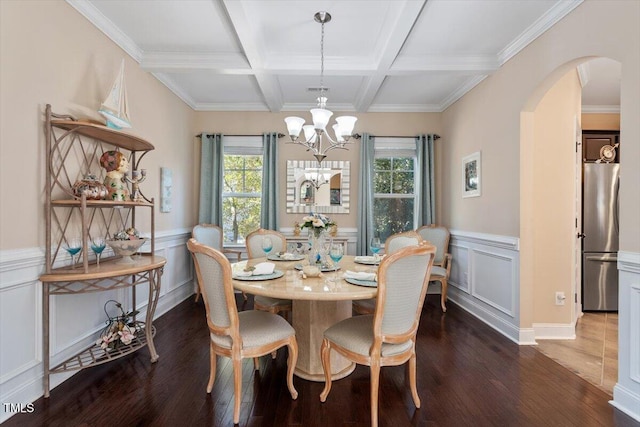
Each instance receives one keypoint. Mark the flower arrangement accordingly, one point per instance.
(317, 223)
(120, 330)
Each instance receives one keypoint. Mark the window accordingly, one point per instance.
(394, 205)
(242, 183)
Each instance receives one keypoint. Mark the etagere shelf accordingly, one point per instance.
(73, 148)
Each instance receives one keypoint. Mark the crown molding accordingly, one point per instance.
(213, 106)
(405, 108)
(611, 109)
(168, 82)
(461, 91)
(307, 106)
(105, 25)
(535, 30)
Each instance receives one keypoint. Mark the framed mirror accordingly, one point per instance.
(322, 189)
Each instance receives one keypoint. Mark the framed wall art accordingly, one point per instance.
(166, 183)
(471, 175)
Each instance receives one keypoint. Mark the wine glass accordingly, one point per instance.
(97, 246)
(74, 246)
(336, 252)
(375, 247)
(267, 245)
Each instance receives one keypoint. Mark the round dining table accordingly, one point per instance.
(317, 303)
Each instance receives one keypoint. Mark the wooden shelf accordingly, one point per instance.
(103, 133)
(108, 267)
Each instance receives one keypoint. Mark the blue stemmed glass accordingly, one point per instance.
(267, 245)
(375, 246)
(97, 246)
(336, 252)
(74, 246)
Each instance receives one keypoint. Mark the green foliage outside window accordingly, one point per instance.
(394, 195)
(241, 196)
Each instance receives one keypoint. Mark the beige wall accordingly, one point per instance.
(255, 123)
(51, 54)
(554, 196)
(489, 119)
(600, 121)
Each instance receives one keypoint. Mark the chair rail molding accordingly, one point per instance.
(20, 327)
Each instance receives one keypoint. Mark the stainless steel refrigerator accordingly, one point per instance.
(600, 236)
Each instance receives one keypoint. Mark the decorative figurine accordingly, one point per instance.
(91, 188)
(116, 165)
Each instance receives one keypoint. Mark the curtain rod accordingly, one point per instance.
(209, 135)
(435, 136)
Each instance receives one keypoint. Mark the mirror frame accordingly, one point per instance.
(342, 165)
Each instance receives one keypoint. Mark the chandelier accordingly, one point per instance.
(318, 177)
(315, 137)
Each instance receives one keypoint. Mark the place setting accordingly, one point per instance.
(258, 272)
(361, 278)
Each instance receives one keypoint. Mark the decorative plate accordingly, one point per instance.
(367, 283)
(276, 257)
(276, 274)
(607, 153)
(323, 269)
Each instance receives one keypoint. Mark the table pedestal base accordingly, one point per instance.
(310, 320)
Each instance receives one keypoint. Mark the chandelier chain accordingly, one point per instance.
(322, 61)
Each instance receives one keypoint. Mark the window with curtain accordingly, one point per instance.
(395, 186)
(242, 183)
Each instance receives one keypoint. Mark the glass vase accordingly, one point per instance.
(317, 252)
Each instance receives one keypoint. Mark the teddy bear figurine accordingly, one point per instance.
(116, 165)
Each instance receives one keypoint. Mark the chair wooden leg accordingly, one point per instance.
(212, 369)
(443, 294)
(325, 353)
(291, 366)
(256, 363)
(375, 384)
(412, 379)
(237, 387)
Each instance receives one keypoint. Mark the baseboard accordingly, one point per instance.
(554, 331)
(626, 401)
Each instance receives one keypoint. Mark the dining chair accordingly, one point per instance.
(253, 241)
(393, 243)
(233, 334)
(211, 235)
(388, 336)
(439, 237)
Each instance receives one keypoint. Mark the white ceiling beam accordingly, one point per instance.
(252, 46)
(399, 29)
(227, 63)
(471, 64)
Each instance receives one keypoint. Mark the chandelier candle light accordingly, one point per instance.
(315, 134)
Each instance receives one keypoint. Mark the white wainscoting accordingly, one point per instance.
(485, 279)
(76, 320)
(626, 393)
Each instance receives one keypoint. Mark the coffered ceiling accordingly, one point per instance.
(380, 55)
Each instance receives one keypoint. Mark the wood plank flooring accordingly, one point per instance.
(468, 375)
(593, 354)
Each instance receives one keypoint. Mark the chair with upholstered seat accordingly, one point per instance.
(439, 236)
(211, 235)
(387, 337)
(393, 243)
(253, 242)
(233, 334)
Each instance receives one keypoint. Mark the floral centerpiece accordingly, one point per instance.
(121, 329)
(317, 223)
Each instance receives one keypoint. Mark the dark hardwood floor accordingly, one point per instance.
(468, 375)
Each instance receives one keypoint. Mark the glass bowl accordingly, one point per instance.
(126, 248)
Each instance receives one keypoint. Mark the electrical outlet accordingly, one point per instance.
(560, 298)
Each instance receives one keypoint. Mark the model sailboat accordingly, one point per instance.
(115, 108)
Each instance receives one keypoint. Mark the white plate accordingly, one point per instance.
(366, 261)
(276, 257)
(367, 283)
(276, 274)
